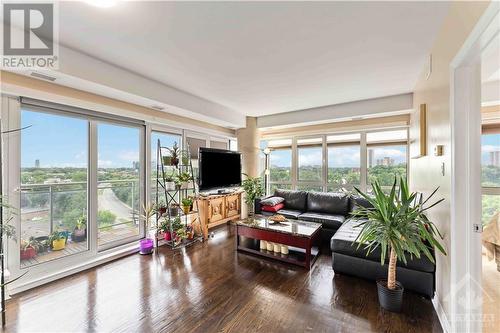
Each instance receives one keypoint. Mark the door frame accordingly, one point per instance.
(465, 106)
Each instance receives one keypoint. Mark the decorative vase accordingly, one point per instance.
(146, 246)
(389, 299)
(170, 186)
(269, 246)
(284, 249)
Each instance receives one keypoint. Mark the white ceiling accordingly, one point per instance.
(262, 58)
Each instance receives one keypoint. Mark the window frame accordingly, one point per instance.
(363, 146)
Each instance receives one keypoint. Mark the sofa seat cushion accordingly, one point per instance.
(328, 221)
(294, 200)
(290, 213)
(343, 242)
(328, 202)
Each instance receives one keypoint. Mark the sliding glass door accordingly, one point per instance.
(118, 183)
(54, 178)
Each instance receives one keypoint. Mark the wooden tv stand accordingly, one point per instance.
(218, 209)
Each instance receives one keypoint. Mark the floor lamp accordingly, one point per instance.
(267, 172)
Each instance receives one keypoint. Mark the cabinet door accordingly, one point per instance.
(233, 205)
(216, 210)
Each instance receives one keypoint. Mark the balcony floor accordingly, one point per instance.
(107, 236)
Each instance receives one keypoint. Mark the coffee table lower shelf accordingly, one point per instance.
(295, 256)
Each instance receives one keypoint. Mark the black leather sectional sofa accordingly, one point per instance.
(333, 211)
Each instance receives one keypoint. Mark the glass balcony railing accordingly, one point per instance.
(61, 209)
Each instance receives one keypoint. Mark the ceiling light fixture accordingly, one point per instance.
(102, 3)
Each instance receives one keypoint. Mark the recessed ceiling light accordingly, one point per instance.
(102, 3)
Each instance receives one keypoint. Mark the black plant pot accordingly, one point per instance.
(391, 300)
(79, 235)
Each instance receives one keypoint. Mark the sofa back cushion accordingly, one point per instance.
(328, 202)
(293, 199)
(358, 201)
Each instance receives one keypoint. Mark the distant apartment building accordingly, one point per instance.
(386, 161)
(37, 163)
(495, 158)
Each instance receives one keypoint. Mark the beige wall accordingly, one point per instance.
(425, 172)
(7, 78)
(248, 145)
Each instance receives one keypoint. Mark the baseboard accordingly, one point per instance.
(443, 319)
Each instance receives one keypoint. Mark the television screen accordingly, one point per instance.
(219, 168)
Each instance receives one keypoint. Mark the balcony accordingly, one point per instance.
(46, 208)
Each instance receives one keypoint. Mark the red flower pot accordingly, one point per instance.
(168, 235)
(28, 253)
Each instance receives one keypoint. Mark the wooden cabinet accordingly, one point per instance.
(218, 209)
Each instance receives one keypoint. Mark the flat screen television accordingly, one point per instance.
(219, 168)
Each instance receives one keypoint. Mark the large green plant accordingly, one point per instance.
(253, 188)
(397, 224)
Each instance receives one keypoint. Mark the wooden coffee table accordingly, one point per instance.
(302, 238)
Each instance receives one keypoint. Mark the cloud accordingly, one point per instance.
(310, 158)
(343, 157)
(105, 163)
(129, 156)
(489, 148)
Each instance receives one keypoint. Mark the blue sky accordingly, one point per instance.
(59, 141)
(489, 143)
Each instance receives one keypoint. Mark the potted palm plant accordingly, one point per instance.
(253, 189)
(397, 224)
(175, 153)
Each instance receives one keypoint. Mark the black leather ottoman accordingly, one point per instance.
(417, 275)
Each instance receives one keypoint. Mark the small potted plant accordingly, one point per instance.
(80, 231)
(397, 224)
(181, 235)
(184, 178)
(253, 189)
(170, 182)
(43, 244)
(173, 209)
(146, 244)
(174, 154)
(190, 232)
(29, 248)
(187, 202)
(161, 208)
(170, 227)
(57, 240)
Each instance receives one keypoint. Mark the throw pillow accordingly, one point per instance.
(272, 201)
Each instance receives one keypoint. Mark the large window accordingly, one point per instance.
(310, 160)
(490, 180)
(338, 162)
(118, 176)
(344, 162)
(54, 169)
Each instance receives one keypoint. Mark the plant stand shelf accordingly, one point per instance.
(173, 197)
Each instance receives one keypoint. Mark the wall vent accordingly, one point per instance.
(43, 76)
(157, 107)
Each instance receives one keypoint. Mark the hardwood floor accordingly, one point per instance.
(211, 288)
